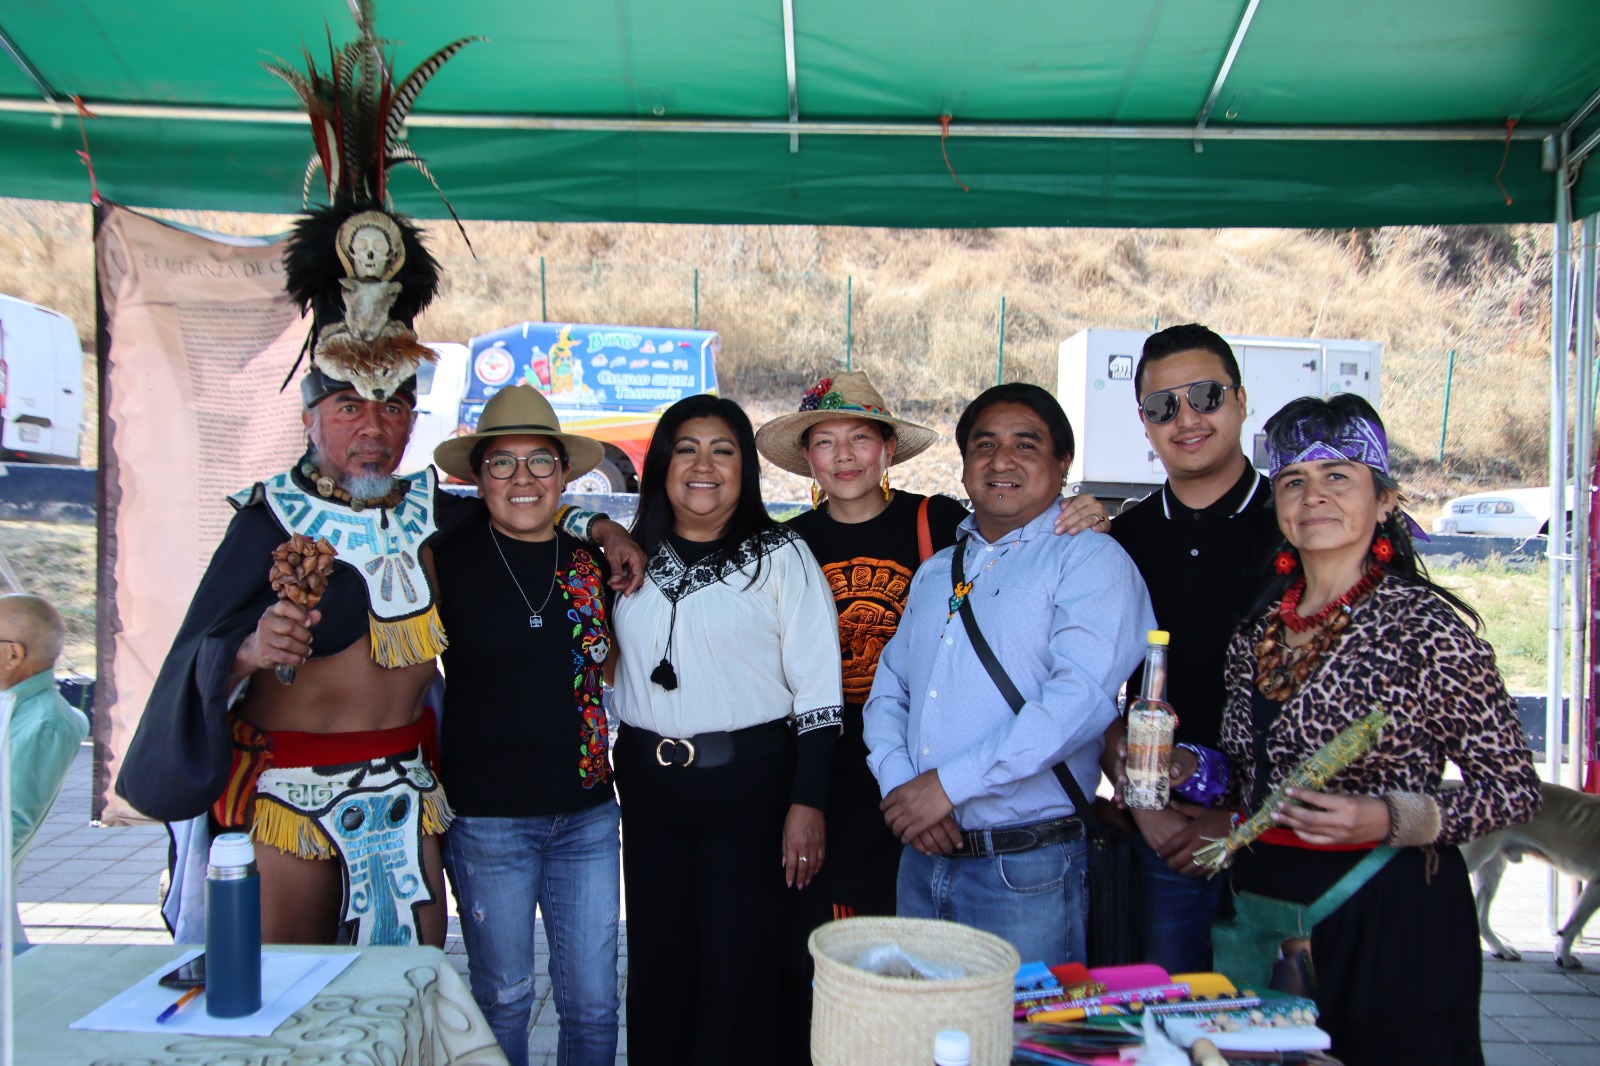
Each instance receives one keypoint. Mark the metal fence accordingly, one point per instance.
(934, 347)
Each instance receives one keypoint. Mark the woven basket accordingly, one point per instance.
(866, 1019)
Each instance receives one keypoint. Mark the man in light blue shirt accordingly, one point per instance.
(45, 729)
(991, 838)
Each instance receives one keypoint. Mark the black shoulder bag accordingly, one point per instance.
(1115, 923)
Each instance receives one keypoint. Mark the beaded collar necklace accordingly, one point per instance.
(329, 489)
(1298, 623)
(1281, 669)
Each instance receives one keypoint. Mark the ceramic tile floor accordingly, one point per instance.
(85, 884)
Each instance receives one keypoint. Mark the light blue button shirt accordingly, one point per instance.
(1066, 616)
(45, 733)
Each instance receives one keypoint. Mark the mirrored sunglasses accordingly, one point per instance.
(1205, 397)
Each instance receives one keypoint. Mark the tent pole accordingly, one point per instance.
(31, 72)
(789, 69)
(1222, 72)
(1582, 469)
(650, 124)
(1556, 543)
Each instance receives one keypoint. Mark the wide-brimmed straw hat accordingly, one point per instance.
(848, 395)
(520, 410)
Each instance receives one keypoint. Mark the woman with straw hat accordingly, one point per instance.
(524, 736)
(869, 538)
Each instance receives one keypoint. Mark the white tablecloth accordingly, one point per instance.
(393, 1006)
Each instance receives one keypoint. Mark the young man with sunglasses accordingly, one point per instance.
(1202, 544)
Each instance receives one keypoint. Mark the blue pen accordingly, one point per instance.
(183, 1001)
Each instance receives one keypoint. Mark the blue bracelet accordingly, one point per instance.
(577, 522)
(1210, 779)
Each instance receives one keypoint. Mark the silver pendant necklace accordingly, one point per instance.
(535, 618)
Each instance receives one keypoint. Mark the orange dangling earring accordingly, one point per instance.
(886, 484)
(816, 495)
(1382, 546)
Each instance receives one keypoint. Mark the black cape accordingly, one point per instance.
(180, 756)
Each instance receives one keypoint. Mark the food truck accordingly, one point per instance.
(606, 382)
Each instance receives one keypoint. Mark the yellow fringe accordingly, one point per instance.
(409, 642)
(290, 831)
(299, 834)
(436, 812)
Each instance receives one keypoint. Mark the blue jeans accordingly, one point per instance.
(1179, 911)
(1035, 899)
(567, 865)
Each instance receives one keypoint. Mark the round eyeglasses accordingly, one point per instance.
(1205, 397)
(504, 467)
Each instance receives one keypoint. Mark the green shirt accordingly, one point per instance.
(45, 733)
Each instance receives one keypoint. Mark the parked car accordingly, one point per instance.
(1506, 513)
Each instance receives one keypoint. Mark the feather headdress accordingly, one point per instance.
(357, 266)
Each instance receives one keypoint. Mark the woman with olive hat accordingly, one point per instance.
(524, 734)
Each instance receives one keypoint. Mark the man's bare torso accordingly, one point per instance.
(343, 693)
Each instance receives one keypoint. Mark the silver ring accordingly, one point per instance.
(804, 859)
(1196, 861)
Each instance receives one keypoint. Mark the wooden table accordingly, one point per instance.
(400, 1006)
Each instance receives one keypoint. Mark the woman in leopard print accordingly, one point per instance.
(1353, 625)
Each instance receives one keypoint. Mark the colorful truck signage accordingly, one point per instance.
(607, 382)
(596, 368)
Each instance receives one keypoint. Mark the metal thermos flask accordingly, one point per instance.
(233, 928)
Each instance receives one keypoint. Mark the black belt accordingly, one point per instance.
(980, 843)
(709, 750)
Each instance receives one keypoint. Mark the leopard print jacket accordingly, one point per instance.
(1409, 653)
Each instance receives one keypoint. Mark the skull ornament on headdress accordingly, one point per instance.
(360, 269)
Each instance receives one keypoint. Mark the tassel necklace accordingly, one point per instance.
(1281, 669)
(664, 675)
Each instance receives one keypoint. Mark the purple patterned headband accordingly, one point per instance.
(1357, 439)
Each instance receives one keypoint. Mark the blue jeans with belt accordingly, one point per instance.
(1035, 898)
(567, 866)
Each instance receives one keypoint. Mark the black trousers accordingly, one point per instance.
(859, 879)
(702, 860)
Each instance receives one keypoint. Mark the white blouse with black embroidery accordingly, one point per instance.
(744, 654)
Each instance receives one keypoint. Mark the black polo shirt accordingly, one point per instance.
(1204, 569)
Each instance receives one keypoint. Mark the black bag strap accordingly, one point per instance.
(1002, 680)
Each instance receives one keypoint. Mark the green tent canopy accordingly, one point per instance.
(1061, 112)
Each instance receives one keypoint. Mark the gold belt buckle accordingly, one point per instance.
(662, 759)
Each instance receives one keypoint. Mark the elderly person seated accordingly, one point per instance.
(45, 730)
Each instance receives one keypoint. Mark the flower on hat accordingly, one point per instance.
(812, 400)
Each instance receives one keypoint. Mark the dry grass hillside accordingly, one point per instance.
(920, 309)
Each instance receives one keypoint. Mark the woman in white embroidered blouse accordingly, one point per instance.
(729, 693)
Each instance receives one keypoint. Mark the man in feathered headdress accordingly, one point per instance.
(301, 718)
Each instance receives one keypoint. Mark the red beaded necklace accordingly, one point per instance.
(1291, 599)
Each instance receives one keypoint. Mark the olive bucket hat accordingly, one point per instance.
(520, 410)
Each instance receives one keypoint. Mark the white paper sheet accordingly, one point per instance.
(289, 980)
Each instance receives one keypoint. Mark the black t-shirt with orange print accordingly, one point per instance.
(869, 566)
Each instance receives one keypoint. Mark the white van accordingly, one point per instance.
(440, 388)
(41, 384)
